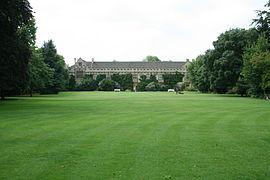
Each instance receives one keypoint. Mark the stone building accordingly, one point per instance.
(136, 68)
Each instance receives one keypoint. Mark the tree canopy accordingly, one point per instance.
(218, 70)
(56, 62)
(152, 59)
(239, 62)
(14, 49)
(256, 71)
(262, 22)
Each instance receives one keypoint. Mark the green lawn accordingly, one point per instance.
(134, 136)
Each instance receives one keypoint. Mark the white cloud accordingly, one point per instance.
(128, 30)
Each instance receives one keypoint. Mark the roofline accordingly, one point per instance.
(136, 61)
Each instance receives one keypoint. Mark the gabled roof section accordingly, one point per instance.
(138, 64)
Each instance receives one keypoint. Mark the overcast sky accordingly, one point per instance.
(129, 30)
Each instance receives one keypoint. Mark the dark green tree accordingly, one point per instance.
(14, 50)
(152, 78)
(71, 83)
(116, 78)
(88, 84)
(107, 85)
(225, 62)
(56, 62)
(100, 77)
(170, 80)
(242, 86)
(125, 80)
(141, 86)
(39, 73)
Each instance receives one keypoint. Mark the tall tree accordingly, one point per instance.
(256, 69)
(14, 50)
(225, 62)
(38, 73)
(71, 83)
(56, 62)
(197, 74)
(262, 23)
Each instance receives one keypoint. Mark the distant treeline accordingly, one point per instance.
(239, 62)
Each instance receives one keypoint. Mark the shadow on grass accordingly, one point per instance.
(13, 99)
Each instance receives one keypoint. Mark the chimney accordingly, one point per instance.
(74, 60)
(92, 63)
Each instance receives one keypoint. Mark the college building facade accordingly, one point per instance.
(136, 68)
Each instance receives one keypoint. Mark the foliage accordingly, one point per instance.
(100, 77)
(141, 86)
(256, 69)
(152, 86)
(125, 80)
(151, 59)
(238, 62)
(170, 80)
(88, 84)
(152, 78)
(39, 73)
(14, 49)
(71, 83)
(107, 85)
(262, 23)
(241, 86)
(197, 74)
(56, 62)
(219, 69)
(227, 61)
(163, 87)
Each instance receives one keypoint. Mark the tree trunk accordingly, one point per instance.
(31, 93)
(2, 95)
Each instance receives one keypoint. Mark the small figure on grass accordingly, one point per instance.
(178, 88)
